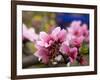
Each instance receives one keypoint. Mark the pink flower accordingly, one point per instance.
(77, 41)
(29, 33)
(58, 34)
(62, 42)
(43, 55)
(78, 33)
(75, 28)
(78, 29)
(64, 48)
(25, 30)
(85, 33)
(47, 40)
(70, 52)
(51, 43)
(73, 54)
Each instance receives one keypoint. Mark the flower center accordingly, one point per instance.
(54, 49)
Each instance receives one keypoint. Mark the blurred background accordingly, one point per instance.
(45, 21)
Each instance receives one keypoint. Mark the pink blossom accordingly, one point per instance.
(78, 33)
(70, 52)
(29, 33)
(43, 55)
(73, 54)
(64, 48)
(75, 28)
(78, 29)
(68, 42)
(50, 42)
(58, 34)
(85, 32)
(47, 40)
(25, 30)
(77, 41)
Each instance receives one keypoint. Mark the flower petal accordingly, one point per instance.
(77, 41)
(84, 30)
(29, 33)
(75, 24)
(25, 30)
(75, 28)
(44, 36)
(64, 49)
(40, 43)
(32, 36)
(42, 54)
(55, 33)
(62, 35)
(73, 54)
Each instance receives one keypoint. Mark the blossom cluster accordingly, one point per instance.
(69, 43)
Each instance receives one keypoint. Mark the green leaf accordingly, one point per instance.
(84, 49)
